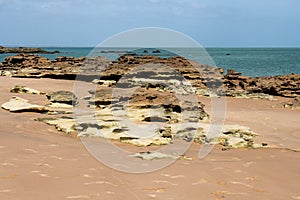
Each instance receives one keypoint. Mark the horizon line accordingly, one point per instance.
(67, 46)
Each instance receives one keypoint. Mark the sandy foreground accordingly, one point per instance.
(38, 162)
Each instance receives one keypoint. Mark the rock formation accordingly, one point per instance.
(24, 89)
(286, 86)
(140, 100)
(293, 104)
(65, 97)
(205, 79)
(4, 50)
(17, 104)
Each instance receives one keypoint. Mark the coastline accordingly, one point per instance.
(154, 100)
(256, 62)
(259, 162)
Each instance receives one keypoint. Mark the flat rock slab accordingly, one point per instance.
(17, 104)
(154, 155)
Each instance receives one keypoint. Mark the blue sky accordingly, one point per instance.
(217, 23)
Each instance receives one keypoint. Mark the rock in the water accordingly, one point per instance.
(17, 104)
(24, 50)
(24, 89)
(66, 97)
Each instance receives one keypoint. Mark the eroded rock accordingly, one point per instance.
(234, 136)
(64, 124)
(17, 104)
(65, 97)
(24, 89)
(293, 104)
(167, 74)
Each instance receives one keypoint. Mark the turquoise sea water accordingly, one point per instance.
(249, 61)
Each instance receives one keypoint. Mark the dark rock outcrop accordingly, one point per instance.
(35, 66)
(286, 85)
(66, 97)
(4, 50)
(200, 76)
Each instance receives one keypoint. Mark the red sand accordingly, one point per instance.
(38, 163)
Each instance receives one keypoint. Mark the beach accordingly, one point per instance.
(38, 162)
(154, 100)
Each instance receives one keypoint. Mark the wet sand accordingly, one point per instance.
(37, 162)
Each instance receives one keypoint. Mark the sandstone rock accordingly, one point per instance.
(24, 89)
(114, 126)
(154, 155)
(102, 97)
(25, 61)
(67, 67)
(27, 65)
(147, 141)
(64, 124)
(166, 132)
(60, 105)
(59, 108)
(286, 86)
(191, 133)
(35, 66)
(237, 136)
(65, 97)
(232, 72)
(293, 104)
(232, 136)
(107, 83)
(132, 95)
(17, 104)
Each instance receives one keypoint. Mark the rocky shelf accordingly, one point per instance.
(206, 80)
(112, 122)
(141, 100)
(5, 50)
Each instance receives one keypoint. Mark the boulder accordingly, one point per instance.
(17, 104)
(232, 72)
(66, 97)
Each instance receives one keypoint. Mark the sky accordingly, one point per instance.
(212, 23)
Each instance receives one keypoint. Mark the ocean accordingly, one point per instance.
(255, 62)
